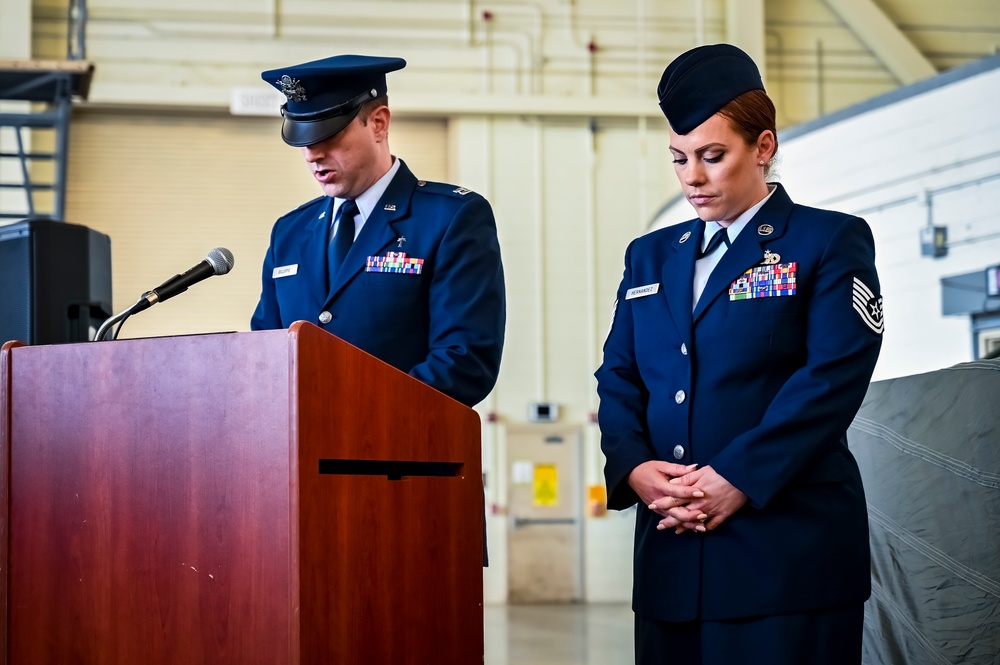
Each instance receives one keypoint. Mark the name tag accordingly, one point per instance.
(642, 291)
(285, 271)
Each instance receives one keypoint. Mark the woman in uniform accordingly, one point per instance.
(741, 347)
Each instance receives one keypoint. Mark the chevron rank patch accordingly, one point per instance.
(868, 306)
(766, 281)
(397, 262)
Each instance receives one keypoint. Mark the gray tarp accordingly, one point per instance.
(929, 451)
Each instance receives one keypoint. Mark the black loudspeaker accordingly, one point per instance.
(55, 282)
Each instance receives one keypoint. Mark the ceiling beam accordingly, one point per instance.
(884, 39)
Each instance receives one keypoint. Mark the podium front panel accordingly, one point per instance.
(149, 503)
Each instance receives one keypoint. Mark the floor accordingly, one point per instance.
(558, 634)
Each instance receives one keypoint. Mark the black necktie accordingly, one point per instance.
(721, 236)
(343, 239)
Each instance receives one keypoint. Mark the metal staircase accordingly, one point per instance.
(46, 89)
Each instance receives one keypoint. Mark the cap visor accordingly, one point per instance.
(301, 133)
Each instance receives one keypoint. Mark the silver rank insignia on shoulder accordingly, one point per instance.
(684, 238)
(292, 88)
(770, 258)
(400, 240)
(391, 207)
(765, 229)
(462, 190)
(421, 183)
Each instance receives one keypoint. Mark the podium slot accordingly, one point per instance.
(393, 470)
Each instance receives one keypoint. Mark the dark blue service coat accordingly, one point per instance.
(763, 389)
(422, 287)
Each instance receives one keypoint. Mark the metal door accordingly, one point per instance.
(544, 543)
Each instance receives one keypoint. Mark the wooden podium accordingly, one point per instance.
(267, 497)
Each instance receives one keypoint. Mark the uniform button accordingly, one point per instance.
(325, 317)
(684, 349)
(678, 452)
(679, 396)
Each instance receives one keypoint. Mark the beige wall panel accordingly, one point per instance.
(569, 268)
(168, 188)
(515, 199)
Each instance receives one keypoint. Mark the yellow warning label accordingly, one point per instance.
(546, 485)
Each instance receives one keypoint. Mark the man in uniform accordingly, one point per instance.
(407, 270)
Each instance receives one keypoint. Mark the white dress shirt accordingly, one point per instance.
(367, 201)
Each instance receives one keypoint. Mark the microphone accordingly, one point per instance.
(218, 262)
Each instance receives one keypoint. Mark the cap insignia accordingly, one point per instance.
(292, 88)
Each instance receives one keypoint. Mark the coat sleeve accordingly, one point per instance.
(625, 438)
(267, 316)
(467, 305)
(813, 409)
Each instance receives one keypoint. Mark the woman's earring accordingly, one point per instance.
(760, 163)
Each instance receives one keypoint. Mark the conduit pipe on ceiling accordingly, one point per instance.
(532, 37)
(531, 52)
(589, 46)
(488, 52)
(519, 71)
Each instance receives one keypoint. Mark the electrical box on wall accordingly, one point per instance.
(934, 241)
(543, 412)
